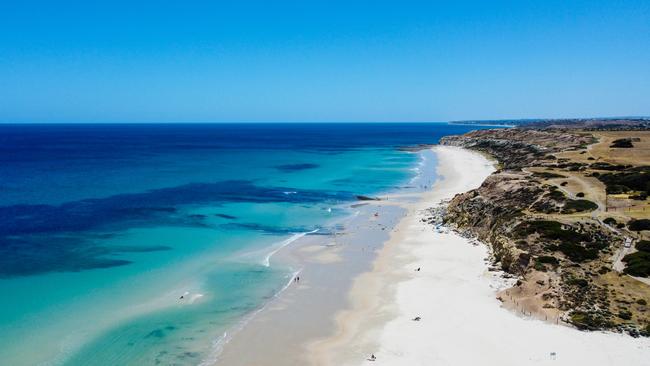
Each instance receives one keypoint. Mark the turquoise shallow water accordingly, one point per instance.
(104, 228)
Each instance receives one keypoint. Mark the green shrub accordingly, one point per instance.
(603, 270)
(548, 175)
(640, 197)
(580, 194)
(584, 320)
(548, 259)
(633, 179)
(608, 166)
(556, 194)
(638, 225)
(643, 246)
(641, 302)
(551, 230)
(622, 143)
(616, 189)
(637, 264)
(610, 221)
(625, 315)
(577, 253)
(580, 282)
(572, 206)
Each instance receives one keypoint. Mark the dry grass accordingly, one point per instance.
(620, 208)
(625, 291)
(601, 152)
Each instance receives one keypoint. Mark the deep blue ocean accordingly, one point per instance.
(104, 227)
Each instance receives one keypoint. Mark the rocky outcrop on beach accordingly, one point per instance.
(544, 215)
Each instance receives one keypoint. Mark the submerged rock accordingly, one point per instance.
(225, 216)
(367, 198)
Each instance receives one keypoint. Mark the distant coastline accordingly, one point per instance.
(632, 122)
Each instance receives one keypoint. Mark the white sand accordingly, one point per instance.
(454, 294)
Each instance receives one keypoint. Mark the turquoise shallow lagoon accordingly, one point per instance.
(143, 244)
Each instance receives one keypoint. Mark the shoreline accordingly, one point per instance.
(327, 264)
(359, 327)
(455, 295)
(359, 292)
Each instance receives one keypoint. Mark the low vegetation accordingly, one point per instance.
(548, 175)
(610, 221)
(622, 143)
(588, 321)
(639, 225)
(560, 251)
(576, 252)
(607, 166)
(548, 259)
(643, 246)
(631, 180)
(638, 264)
(573, 206)
(551, 230)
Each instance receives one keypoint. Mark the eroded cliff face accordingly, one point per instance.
(549, 236)
(491, 211)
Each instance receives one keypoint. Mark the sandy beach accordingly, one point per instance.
(360, 292)
(461, 322)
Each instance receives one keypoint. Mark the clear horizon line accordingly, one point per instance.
(455, 121)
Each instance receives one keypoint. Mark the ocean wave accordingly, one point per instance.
(267, 259)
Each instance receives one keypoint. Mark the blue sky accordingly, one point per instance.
(115, 61)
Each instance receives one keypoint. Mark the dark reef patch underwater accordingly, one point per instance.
(65, 185)
(42, 238)
(296, 167)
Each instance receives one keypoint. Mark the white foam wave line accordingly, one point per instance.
(221, 342)
(267, 260)
(418, 169)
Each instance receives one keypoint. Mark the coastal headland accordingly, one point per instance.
(519, 254)
(434, 296)
(564, 213)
